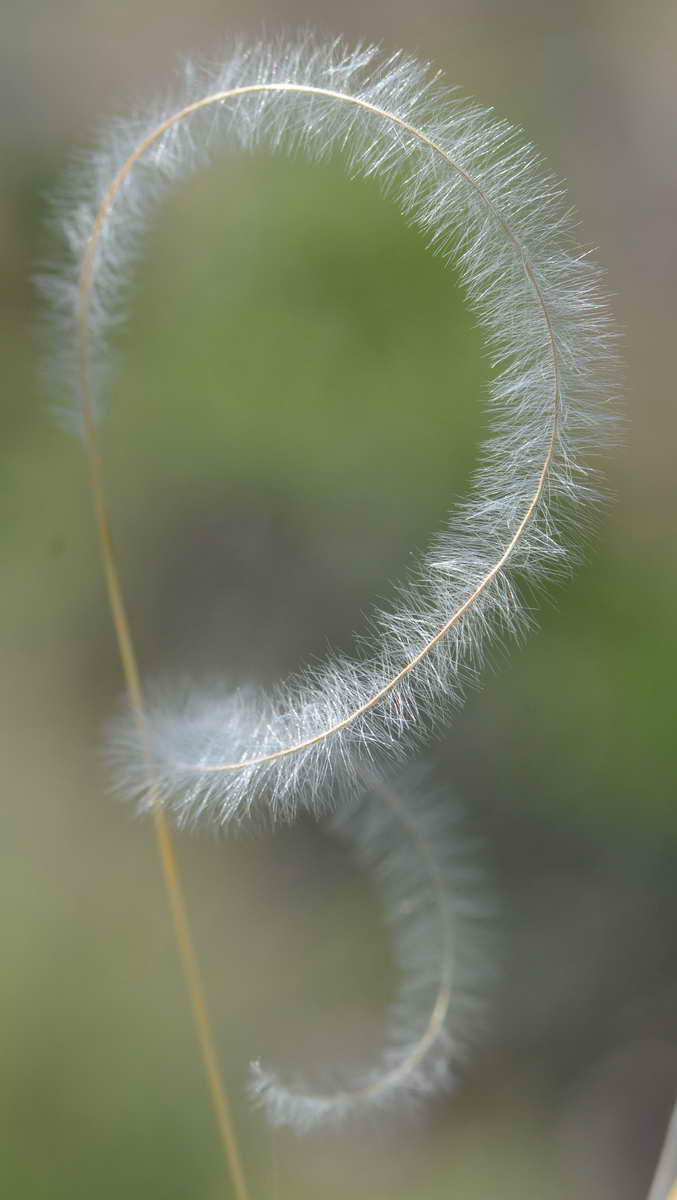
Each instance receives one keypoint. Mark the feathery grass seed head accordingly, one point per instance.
(484, 202)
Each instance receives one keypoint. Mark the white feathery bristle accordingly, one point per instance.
(484, 202)
(440, 912)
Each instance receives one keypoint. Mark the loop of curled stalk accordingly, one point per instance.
(484, 202)
(253, 759)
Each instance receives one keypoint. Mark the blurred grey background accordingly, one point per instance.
(298, 403)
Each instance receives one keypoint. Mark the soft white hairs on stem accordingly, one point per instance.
(440, 911)
(483, 201)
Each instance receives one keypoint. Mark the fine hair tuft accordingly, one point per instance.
(440, 910)
(484, 201)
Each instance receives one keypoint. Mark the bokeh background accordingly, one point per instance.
(298, 403)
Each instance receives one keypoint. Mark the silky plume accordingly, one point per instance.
(483, 200)
(441, 912)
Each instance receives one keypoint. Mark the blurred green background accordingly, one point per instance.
(298, 403)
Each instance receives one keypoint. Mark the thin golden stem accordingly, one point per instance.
(170, 868)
